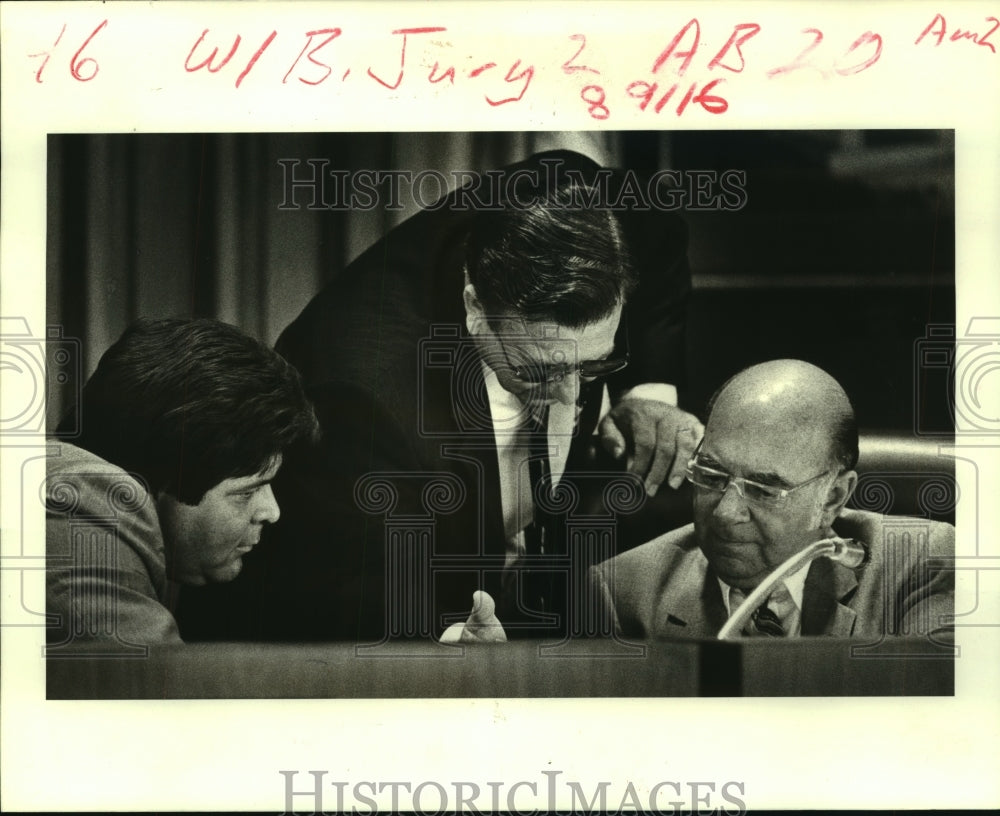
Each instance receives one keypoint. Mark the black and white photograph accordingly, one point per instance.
(417, 409)
(383, 479)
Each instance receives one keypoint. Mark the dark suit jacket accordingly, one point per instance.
(408, 445)
(666, 588)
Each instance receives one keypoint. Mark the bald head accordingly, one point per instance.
(798, 397)
(783, 425)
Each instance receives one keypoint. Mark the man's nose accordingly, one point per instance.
(731, 506)
(266, 509)
(566, 389)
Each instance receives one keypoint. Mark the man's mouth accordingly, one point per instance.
(726, 533)
(732, 541)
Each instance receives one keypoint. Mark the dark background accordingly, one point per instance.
(843, 254)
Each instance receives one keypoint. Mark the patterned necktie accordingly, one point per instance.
(764, 622)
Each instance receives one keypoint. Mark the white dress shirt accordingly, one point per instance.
(785, 600)
(509, 416)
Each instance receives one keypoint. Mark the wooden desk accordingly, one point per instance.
(766, 668)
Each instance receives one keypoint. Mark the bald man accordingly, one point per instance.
(771, 476)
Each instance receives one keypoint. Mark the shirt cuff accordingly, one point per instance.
(662, 392)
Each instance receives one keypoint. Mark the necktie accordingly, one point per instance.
(538, 534)
(764, 622)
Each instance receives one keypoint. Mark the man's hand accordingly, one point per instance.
(659, 438)
(482, 625)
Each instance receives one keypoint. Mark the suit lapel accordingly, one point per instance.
(473, 441)
(712, 607)
(828, 587)
(692, 604)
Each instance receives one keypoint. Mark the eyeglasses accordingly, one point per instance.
(749, 490)
(534, 372)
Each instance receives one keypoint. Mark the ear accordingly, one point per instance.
(838, 495)
(473, 308)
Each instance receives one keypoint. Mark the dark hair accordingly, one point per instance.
(844, 440)
(185, 404)
(548, 256)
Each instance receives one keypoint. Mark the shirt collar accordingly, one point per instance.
(793, 584)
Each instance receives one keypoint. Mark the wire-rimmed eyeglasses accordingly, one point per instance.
(534, 372)
(718, 480)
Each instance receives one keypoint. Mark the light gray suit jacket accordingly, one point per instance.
(106, 572)
(665, 587)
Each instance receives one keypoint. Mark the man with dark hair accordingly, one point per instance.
(771, 477)
(551, 260)
(184, 424)
(465, 348)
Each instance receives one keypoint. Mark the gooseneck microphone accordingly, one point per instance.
(848, 551)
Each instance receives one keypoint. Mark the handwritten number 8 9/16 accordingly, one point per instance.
(646, 92)
(862, 54)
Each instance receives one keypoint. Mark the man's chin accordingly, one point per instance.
(735, 571)
(226, 573)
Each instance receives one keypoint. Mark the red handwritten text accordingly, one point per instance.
(689, 75)
(209, 61)
(938, 27)
(315, 63)
(863, 53)
(81, 68)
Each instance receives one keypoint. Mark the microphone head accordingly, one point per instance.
(850, 552)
